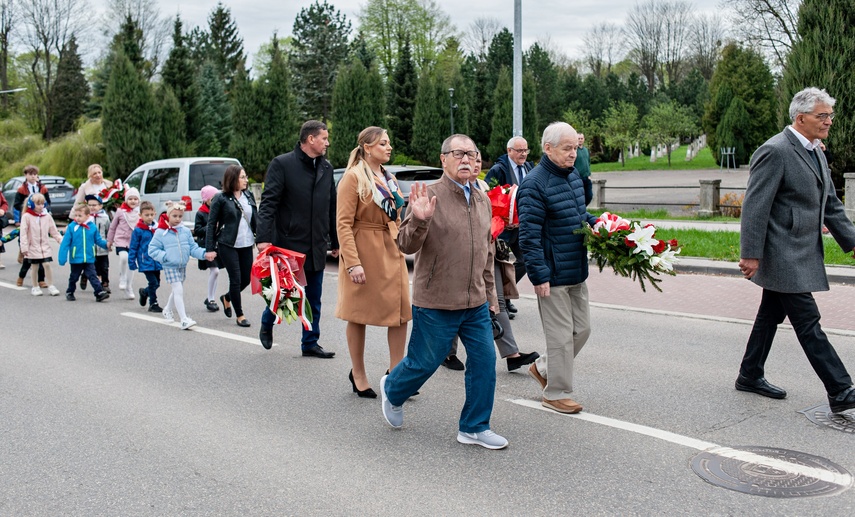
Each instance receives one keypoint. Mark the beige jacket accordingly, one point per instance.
(454, 256)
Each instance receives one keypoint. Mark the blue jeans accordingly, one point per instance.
(314, 289)
(153, 278)
(430, 342)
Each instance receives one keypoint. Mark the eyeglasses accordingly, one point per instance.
(823, 116)
(458, 154)
(522, 151)
(243, 177)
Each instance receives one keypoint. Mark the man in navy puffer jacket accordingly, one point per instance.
(551, 208)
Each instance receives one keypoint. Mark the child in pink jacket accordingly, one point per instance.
(37, 227)
(119, 235)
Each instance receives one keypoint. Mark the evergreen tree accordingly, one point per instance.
(462, 99)
(127, 41)
(531, 123)
(278, 127)
(224, 44)
(360, 50)
(757, 95)
(546, 90)
(355, 106)
(214, 113)
(431, 124)
(129, 119)
(732, 130)
(198, 44)
(173, 136)
(70, 89)
(503, 115)
(318, 49)
(245, 119)
(823, 57)
(402, 100)
(480, 104)
(179, 74)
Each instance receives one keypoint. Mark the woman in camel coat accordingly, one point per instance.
(373, 285)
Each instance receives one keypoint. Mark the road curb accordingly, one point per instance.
(844, 275)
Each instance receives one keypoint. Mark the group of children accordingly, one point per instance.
(141, 244)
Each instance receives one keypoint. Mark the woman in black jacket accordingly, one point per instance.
(231, 233)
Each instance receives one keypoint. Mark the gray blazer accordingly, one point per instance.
(786, 204)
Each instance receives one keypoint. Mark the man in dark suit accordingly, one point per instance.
(789, 197)
(297, 212)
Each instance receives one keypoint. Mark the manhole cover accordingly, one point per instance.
(822, 415)
(771, 472)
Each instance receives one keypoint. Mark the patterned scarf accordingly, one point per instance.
(388, 198)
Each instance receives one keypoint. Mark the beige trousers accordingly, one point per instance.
(566, 319)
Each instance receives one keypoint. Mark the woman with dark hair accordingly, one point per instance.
(231, 233)
(376, 289)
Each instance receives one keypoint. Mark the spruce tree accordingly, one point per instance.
(245, 117)
(402, 100)
(179, 74)
(173, 136)
(503, 115)
(225, 46)
(431, 124)
(129, 119)
(824, 58)
(546, 88)
(481, 105)
(127, 41)
(356, 104)
(278, 127)
(531, 123)
(318, 49)
(70, 90)
(214, 113)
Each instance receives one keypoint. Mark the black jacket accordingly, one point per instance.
(224, 219)
(298, 206)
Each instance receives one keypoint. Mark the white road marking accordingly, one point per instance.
(196, 328)
(12, 286)
(844, 480)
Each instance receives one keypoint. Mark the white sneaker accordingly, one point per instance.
(167, 315)
(487, 439)
(53, 290)
(186, 324)
(123, 286)
(129, 294)
(35, 291)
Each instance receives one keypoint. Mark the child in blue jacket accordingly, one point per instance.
(172, 246)
(139, 259)
(78, 248)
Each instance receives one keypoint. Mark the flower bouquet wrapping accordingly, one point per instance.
(277, 275)
(113, 196)
(631, 249)
(503, 199)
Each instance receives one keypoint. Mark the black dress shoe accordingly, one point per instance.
(243, 323)
(211, 306)
(842, 401)
(511, 308)
(266, 337)
(761, 387)
(514, 363)
(227, 309)
(453, 363)
(317, 351)
(366, 393)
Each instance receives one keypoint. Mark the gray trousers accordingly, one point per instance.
(566, 319)
(506, 344)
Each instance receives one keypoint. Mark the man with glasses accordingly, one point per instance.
(788, 199)
(448, 228)
(511, 169)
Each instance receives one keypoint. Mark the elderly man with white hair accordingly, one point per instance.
(552, 207)
(788, 199)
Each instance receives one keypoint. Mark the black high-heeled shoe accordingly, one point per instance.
(366, 394)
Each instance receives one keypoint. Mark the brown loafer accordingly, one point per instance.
(532, 371)
(562, 406)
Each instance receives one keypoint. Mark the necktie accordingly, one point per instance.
(520, 173)
(467, 192)
(813, 155)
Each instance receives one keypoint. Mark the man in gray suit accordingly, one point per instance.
(789, 197)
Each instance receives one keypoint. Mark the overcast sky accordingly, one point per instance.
(565, 22)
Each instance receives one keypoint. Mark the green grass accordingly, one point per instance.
(704, 160)
(720, 245)
(647, 214)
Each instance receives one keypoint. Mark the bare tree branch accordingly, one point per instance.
(770, 26)
(477, 38)
(603, 47)
(156, 29)
(706, 42)
(643, 33)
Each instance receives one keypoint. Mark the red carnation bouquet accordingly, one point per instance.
(503, 199)
(631, 249)
(277, 275)
(113, 196)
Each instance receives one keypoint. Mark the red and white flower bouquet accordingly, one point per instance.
(631, 249)
(503, 199)
(277, 275)
(113, 196)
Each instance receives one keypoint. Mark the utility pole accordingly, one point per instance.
(518, 79)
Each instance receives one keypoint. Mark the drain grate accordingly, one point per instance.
(771, 472)
(822, 415)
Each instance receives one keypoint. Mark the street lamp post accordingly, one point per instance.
(451, 107)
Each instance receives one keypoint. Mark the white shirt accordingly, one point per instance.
(244, 235)
(810, 146)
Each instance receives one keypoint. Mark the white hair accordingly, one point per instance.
(806, 100)
(512, 140)
(554, 132)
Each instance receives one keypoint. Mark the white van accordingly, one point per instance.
(178, 179)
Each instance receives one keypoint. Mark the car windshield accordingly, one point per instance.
(208, 173)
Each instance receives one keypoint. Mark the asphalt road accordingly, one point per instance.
(107, 412)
